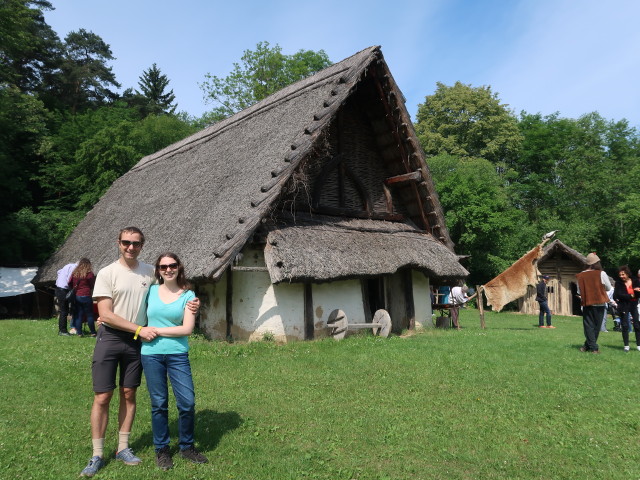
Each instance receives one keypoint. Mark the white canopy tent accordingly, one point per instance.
(16, 281)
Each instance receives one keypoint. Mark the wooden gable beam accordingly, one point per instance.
(404, 154)
(403, 179)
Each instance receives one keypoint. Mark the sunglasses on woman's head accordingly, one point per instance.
(128, 243)
(172, 266)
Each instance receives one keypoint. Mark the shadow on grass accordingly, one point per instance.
(211, 426)
(511, 328)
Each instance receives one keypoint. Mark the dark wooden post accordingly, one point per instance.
(229, 303)
(409, 306)
(480, 291)
(308, 312)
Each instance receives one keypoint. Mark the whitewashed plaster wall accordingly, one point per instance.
(213, 312)
(422, 300)
(345, 295)
(258, 306)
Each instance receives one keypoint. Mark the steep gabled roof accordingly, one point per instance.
(204, 196)
(558, 246)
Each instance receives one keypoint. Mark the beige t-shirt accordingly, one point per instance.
(126, 288)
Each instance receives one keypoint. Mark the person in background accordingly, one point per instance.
(593, 284)
(626, 293)
(62, 289)
(458, 298)
(542, 299)
(443, 294)
(168, 356)
(609, 308)
(82, 281)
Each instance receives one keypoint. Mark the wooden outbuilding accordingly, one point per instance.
(561, 263)
(316, 198)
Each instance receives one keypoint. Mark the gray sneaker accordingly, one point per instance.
(193, 455)
(95, 464)
(163, 458)
(128, 457)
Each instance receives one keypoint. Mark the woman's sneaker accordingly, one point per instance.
(193, 455)
(163, 458)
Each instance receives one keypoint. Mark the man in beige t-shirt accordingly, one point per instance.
(120, 291)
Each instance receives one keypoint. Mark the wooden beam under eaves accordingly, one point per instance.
(404, 178)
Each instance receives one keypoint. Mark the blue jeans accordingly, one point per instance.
(84, 306)
(544, 308)
(177, 367)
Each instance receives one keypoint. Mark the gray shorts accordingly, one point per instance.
(115, 348)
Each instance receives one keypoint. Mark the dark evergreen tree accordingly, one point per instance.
(155, 99)
(85, 79)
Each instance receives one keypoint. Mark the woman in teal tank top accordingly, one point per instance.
(167, 356)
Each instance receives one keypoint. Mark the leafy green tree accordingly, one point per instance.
(481, 220)
(58, 169)
(468, 121)
(576, 175)
(260, 73)
(23, 136)
(23, 131)
(30, 236)
(534, 180)
(29, 49)
(93, 149)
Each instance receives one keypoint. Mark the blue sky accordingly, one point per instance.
(570, 56)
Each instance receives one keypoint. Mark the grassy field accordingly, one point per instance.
(510, 402)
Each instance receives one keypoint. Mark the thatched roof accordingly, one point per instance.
(204, 196)
(557, 246)
(355, 248)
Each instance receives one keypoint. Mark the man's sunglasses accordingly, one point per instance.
(128, 243)
(172, 266)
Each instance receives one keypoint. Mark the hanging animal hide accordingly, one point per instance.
(512, 283)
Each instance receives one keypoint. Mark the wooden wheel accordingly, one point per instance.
(382, 317)
(338, 324)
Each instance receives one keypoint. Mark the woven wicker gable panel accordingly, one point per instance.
(361, 155)
(352, 137)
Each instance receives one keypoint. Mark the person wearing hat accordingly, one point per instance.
(541, 298)
(593, 284)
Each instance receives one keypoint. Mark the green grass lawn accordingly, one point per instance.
(511, 402)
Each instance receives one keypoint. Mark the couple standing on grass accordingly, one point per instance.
(162, 315)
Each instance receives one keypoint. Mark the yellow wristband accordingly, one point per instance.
(135, 337)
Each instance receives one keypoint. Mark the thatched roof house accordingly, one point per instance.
(561, 263)
(323, 181)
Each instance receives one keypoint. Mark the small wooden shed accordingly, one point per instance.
(561, 263)
(316, 198)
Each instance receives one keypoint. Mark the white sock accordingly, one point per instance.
(123, 440)
(98, 447)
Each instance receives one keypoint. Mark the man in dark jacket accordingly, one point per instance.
(541, 298)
